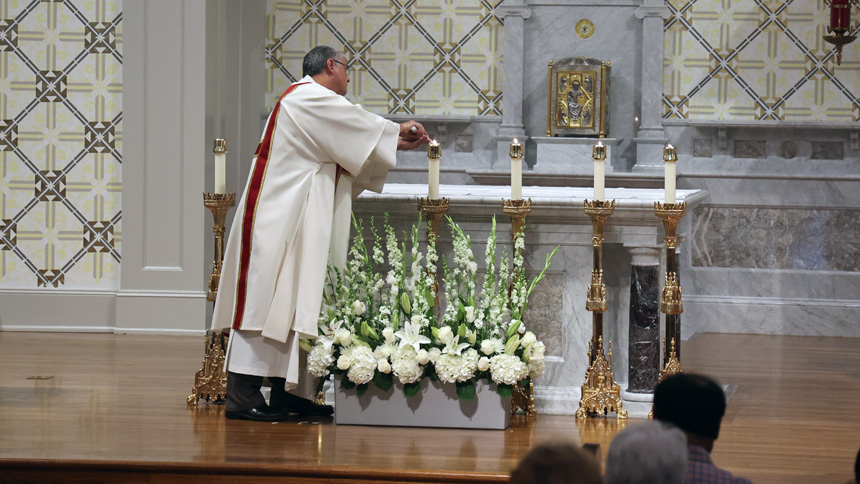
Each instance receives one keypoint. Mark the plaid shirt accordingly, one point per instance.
(701, 469)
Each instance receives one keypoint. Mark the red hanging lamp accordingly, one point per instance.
(840, 26)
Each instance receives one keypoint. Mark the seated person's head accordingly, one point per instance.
(563, 463)
(694, 404)
(857, 469)
(647, 453)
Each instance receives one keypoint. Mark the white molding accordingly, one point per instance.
(157, 293)
(773, 301)
(98, 329)
(653, 11)
(514, 11)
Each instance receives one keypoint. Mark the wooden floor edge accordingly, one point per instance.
(267, 470)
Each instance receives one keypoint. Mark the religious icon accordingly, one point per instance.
(578, 97)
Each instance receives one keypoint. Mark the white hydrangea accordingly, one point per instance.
(363, 364)
(452, 368)
(405, 365)
(507, 369)
(319, 359)
(536, 368)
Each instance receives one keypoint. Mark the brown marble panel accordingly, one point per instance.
(774, 238)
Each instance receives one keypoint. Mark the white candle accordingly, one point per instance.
(220, 151)
(516, 154)
(434, 153)
(670, 158)
(598, 154)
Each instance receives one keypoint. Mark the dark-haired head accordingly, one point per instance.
(315, 60)
(693, 403)
(557, 464)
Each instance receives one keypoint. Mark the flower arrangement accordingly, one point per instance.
(379, 319)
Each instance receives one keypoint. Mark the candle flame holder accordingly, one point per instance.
(210, 382)
(523, 398)
(600, 393)
(670, 304)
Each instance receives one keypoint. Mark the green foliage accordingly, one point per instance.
(466, 390)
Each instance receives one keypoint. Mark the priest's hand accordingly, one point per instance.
(412, 130)
(412, 135)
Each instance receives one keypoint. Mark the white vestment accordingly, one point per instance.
(318, 152)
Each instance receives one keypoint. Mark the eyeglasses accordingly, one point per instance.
(345, 67)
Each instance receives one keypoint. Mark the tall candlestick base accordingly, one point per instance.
(210, 382)
(600, 393)
(670, 304)
(433, 210)
(523, 398)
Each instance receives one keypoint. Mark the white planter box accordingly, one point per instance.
(435, 405)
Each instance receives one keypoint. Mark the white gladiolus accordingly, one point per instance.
(522, 328)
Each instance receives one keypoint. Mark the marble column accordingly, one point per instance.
(651, 137)
(513, 14)
(644, 325)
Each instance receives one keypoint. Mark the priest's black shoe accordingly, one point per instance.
(261, 413)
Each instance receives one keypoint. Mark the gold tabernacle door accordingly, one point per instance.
(578, 97)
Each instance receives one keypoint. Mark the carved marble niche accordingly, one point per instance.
(578, 97)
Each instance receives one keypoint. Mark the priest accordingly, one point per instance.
(318, 152)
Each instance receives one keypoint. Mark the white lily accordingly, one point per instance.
(454, 347)
(411, 335)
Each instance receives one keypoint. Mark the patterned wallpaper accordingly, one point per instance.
(757, 60)
(428, 57)
(60, 143)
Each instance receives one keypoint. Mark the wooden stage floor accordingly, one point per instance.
(114, 411)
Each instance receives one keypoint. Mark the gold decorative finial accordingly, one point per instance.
(220, 146)
(434, 150)
(670, 153)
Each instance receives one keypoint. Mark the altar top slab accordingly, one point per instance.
(630, 198)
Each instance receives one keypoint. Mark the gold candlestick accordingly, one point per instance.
(600, 393)
(433, 211)
(670, 304)
(210, 382)
(523, 398)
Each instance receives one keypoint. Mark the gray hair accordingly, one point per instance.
(315, 60)
(649, 453)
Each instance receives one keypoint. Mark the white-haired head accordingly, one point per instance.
(649, 453)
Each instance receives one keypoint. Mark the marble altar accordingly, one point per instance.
(632, 262)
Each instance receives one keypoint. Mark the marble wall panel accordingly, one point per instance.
(776, 238)
(828, 150)
(549, 34)
(544, 315)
